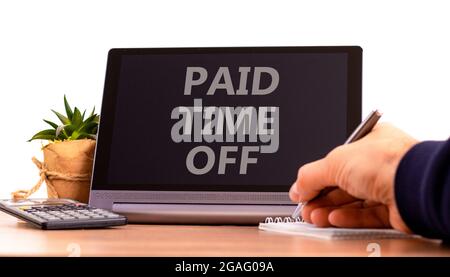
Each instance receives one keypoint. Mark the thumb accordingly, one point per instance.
(312, 178)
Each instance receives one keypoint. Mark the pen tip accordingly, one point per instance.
(296, 213)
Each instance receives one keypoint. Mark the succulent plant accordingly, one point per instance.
(73, 125)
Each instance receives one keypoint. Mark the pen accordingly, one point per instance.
(363, 129)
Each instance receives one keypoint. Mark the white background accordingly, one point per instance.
(52, 48)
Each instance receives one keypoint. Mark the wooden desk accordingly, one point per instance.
(20, 239)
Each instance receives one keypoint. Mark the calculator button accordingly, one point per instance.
(72, 213)
(103, 212)
(66, 216)
(83, 217)
(57, 214)
(90, 214)
(108, 213)
(49, 217)
(54, 219)
(98, 216)
(113, 215)
(36, 218)
(38, 213)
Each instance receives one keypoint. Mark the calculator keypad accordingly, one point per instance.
(68, 212)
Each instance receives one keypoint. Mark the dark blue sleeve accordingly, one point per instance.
(422, 189)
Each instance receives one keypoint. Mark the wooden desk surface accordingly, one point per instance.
(20, 239)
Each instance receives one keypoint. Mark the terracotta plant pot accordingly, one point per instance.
(69, 168)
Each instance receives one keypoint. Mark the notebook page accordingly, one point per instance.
(309, 230)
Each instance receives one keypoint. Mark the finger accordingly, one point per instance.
(372, 217)
(293, 193)
(361, 204)
(336, 197)
(319, 216)
(312, 178)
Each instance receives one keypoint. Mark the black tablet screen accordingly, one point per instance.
(230, 119)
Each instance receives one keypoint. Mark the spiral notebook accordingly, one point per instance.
(288, 225)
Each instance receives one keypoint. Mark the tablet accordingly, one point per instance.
(220, 125)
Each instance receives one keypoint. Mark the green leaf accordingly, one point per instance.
(88, 127)
(68, 130)
(76, 119)
(54, 125)
(63, 135)
(43, 137)
(82, 116)
(93, 111)
(64, 120)
(75, 135)
(68, 108)
(84, 135)
(48, 134)
(91, 119)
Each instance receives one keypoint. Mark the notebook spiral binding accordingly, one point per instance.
(280, 219)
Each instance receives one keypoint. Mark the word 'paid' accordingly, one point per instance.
(223, 73)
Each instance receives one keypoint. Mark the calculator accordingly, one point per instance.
(52, 214)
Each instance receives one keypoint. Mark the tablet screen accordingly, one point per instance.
(224, 121)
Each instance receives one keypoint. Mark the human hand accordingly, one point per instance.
(363, 174)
